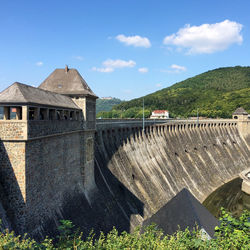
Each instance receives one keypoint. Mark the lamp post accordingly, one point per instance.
(143, 121)
(197, 117)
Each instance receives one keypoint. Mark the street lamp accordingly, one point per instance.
(197, 117)
(143, 121)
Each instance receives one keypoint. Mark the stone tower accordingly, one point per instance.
(70, 83)
(46, 150)
(240, 114)
(243, 123)
(42, 155)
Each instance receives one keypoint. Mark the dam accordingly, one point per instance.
(58, 162)
(156, 164)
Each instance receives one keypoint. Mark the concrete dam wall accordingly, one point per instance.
(156, 164)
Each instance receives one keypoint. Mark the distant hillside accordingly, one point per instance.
(106, 104)
(216, 93)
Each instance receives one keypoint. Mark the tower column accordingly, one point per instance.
(25, 113)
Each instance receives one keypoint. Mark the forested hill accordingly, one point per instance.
(216, 93)
(106, 104)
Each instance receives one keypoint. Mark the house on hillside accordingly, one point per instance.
(160, 114)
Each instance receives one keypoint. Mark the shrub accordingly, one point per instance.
(233, 233)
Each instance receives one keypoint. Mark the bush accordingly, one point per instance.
(233, 233)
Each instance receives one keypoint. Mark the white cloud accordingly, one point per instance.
(39, 64)
(178, 68)
(174, 68)
(143, 70)
(136, 41)
(110, 65)
(103, 70)
(206, 38)
(119, 63)
(79, 58)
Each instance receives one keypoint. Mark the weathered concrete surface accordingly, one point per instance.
(157, 164)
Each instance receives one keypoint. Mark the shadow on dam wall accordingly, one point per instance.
(112, 205)
(156, 164)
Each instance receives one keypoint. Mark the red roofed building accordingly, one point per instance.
(160, 114)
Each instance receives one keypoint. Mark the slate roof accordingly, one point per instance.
(240, 111)
(67, 82)
(183, 210)
(19, 93)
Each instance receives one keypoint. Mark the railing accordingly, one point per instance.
(110, 123)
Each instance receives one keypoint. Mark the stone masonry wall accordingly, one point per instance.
(43, 165)
(12, 179)
(90, 113)
(43, 128)
(88, 169)
(14, 130)
(53, 176)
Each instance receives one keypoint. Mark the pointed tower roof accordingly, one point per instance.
(67, 82)
(240, 111)
(19, 93)
(183, 210)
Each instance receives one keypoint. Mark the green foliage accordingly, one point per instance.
(106, 104)
(216, 93)
(129, 113)
(233, 233)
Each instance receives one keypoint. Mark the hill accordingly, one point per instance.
(216, 93)
(103, 104)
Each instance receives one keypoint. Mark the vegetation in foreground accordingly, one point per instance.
(216, 93)
(233, 233)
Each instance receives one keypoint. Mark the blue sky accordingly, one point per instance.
(122, 48)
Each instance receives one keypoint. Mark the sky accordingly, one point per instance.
(122, 48)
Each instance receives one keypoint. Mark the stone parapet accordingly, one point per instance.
(102, 124)
(44, 128)
(19, 130)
